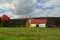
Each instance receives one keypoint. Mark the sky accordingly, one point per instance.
(30, 8)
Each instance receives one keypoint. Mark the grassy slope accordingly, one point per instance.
(29, 34)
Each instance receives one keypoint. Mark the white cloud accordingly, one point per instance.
(9, 14)
(55, 12)
(56, 5)
(24, 8)
(6, 6)
(17, 7)
(44, 13)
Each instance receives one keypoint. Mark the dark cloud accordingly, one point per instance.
(23, 7)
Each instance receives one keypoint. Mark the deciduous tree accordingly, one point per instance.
(5, 20)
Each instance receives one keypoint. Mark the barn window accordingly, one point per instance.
(37, 25)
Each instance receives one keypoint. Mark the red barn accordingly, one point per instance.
(37, 22)
(40, 22)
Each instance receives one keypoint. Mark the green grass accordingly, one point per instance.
(29, 33)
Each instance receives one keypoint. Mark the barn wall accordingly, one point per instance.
(33, 25)
(40, 25)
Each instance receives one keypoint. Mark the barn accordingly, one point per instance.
(37, 22)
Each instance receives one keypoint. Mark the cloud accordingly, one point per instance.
(31, 8)
(17, 7)
(23, 7)
(9, 14)
(6, 7)
(56, 5)
(46, 8)
(50, 8)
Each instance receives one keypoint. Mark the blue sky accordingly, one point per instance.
(42, 1)
(3, 11)
(43, 8)
(30, 8)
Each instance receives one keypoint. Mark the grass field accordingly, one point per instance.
(29, 33)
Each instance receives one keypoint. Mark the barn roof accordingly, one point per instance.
(39, 21)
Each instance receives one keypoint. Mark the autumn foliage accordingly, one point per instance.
(5, 20)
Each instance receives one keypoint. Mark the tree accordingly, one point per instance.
(5, 20)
